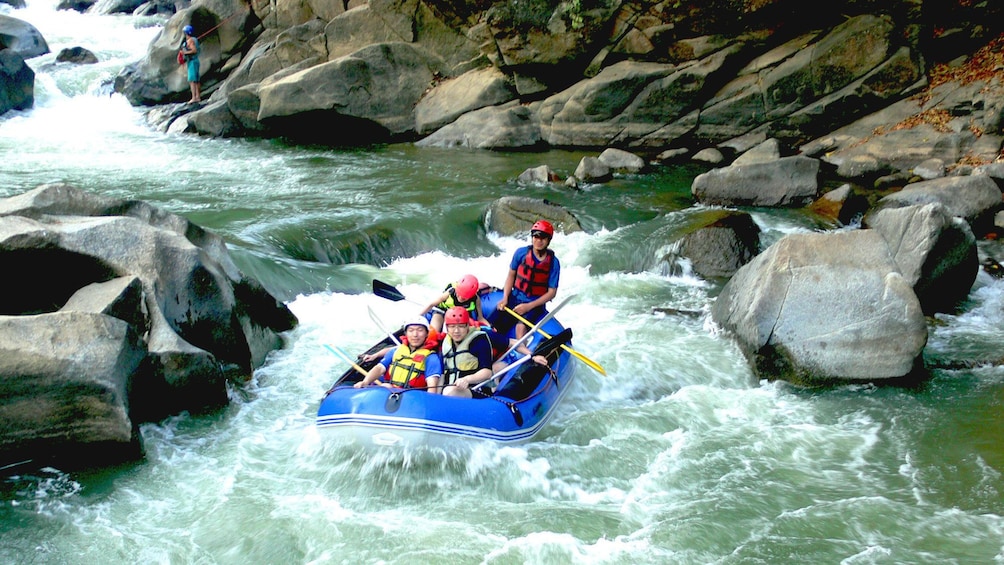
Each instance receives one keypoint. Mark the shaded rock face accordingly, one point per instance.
(722, 246)
(17, 87)
(825, 308)
(179, 319)
(64, 387)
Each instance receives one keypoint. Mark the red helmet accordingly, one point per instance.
(456, 315)
(467, 287)
(543, 226)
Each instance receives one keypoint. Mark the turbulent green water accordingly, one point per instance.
(679, 455)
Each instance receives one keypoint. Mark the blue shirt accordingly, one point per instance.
(552, 277)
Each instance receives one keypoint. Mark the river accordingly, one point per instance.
(678, 455)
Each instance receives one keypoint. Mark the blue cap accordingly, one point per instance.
(189, 30)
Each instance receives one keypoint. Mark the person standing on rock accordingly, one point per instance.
(190, 50)
(532, 280)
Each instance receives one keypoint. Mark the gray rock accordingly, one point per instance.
(513, 215)
(930, 169)
(841, 204)
(789, 181)
(672, 155)
(591, 169)
(379, 84)
(769, 150)
(76, 55)
(450, 99)
(975, 198)
(106, 7)
(217, 120)
(621, 161)
(722, 245)
(64, 388)
(537, 175)
(935, 252)
(870, 147)
(17, 87)
(120, 298)
(509, 126)
(824, 308)
(21, 37)
(83, 252)
(708, 155)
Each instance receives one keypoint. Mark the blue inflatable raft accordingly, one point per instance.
(523, 401)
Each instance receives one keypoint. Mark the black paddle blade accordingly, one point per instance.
(384, 290)
(552, 343)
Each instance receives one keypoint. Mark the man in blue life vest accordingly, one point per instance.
(413, 364)
(532, 281)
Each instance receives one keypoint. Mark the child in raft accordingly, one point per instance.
(463, 293)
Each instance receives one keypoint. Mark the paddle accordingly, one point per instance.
(340, 353)
(379, 324)
(593, 364)
(543, 348)
(384, 290)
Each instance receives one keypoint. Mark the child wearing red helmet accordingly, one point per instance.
(463, 293)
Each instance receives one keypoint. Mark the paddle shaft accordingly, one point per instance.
(379, 324)
(503, 371)
(593, 364)
(340, 353)
(542, 321)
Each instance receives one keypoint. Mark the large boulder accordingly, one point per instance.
(64, 388)
(21, 37)
(788, 181)
(825, 308)
(935, 252)
(165, 286)
(471, 91)
(952, 122)
(630, 103)
(375, 89)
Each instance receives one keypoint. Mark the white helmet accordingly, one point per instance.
(419, 321)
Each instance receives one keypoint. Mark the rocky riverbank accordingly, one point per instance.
(116, 313)
(883, 118)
